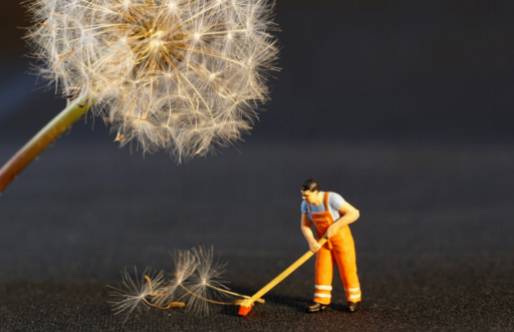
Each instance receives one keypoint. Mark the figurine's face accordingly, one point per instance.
(310, 196)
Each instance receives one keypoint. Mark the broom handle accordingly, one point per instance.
(285, 273)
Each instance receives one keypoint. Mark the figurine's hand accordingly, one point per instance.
(314, 246)
(331, 231)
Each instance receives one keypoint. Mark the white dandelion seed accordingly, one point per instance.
(149, 65)
(185, 264)
(135, 290)
(205, 287)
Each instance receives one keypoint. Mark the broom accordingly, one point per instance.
(245, 306)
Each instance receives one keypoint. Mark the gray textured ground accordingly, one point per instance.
(435, 246)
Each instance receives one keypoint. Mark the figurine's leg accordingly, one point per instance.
(344, 253)
(323, 269)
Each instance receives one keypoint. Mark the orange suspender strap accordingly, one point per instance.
(327, 211)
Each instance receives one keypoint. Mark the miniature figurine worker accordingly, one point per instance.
(330, 214)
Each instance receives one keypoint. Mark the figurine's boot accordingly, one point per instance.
(353, 306)
(316, 307)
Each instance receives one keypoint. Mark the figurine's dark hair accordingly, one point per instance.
(311, 185)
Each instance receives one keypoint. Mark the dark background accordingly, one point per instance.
(404, 107)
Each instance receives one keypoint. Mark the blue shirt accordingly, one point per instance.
(335, 202)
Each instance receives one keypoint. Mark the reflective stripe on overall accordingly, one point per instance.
(339, 248)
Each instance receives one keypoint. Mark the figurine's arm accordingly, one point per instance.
(305, 226)
(349, 214)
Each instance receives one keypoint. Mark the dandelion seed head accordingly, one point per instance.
(155, 59)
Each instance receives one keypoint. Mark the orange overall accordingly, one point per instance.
(339, 248)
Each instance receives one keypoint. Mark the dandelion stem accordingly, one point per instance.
(229, 292)
(190, 292)
(170, 305)
(55, 128)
